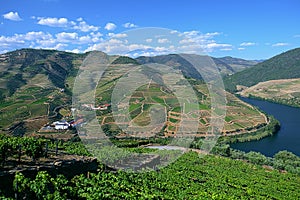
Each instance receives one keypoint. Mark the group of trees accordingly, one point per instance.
(16, 146)
(35, 148)
(283, 160)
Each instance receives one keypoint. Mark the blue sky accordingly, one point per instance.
(250, 29)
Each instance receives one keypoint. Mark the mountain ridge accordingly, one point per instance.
(226, 65)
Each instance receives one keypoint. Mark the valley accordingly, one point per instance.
(37, 88)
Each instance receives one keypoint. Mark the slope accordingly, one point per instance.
(33, 83)
(282, 66)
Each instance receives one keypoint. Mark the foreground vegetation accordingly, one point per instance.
(190, 177)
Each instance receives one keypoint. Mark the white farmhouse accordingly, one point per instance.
(61, 125)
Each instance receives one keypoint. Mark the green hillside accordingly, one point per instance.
(33, 83)
(283, 66)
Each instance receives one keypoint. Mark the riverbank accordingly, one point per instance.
(292, 103)
(271, 128)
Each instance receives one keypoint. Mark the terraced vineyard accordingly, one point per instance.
(145, 97)
(190, 177)
(32, 84)
(285, 91)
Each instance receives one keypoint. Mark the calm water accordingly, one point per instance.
(288, 138)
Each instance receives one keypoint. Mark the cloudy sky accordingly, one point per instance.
(250, 29)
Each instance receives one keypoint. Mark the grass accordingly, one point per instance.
(134, 106)
(228, 118)
(158, 100)
(202, 121)
(173, 120)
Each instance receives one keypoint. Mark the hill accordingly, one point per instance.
(154, 93)
(33, 83)
(282, 66)
(226, 65)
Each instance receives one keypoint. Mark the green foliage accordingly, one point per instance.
(256, 158)
(287, 161)
(283, 66)
(190, 177)
(35, 147)
(76, 148)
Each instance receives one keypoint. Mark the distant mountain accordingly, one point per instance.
(172, 60)
(226, 65)
(235, 64)
(282, 66)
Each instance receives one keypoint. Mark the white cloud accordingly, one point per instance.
(117, 43)
(66, 37)
(84, 27)
(247, 44)
(74, 51)
(110, 26)
(3, 51)
(14, 16)
(210, 35)
(118, 35)
(163, 40)
(226, 49)
(10, 41)
(59, 46)
(32, 36)
(190, 33)
(129, 25)
(116, 46)
(297, 36)
(80, 24)
(96, 37)
(241, 48)
(280, 44)
(216, 45)
(54, 22)
(40, 39)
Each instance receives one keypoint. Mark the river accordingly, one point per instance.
(288, 137)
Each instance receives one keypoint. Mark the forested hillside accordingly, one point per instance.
(283, 66)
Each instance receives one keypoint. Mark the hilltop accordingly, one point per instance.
(226, 65)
